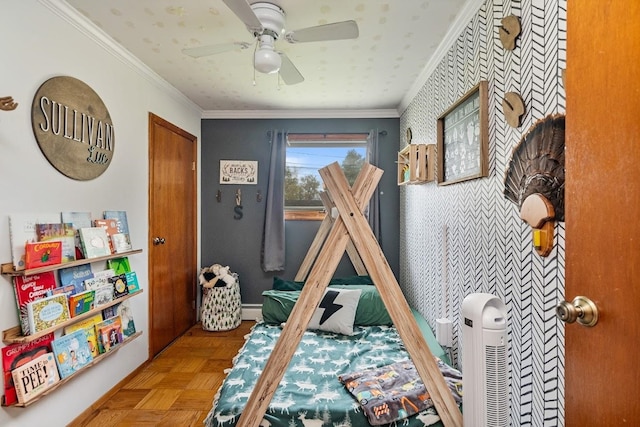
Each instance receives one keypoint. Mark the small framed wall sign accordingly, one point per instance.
(238, 172)
(463, 134)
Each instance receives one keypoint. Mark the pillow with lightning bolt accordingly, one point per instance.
(277, 306)
(336, 311)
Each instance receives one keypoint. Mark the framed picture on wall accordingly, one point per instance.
(463, 138)
(238, 172)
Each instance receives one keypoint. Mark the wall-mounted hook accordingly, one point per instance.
(219, 196)
(7, 104)
(238, 208)
(259, 196)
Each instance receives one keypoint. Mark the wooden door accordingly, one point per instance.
(603, 210)
(172, 232)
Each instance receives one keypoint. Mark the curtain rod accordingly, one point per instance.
(329, 136)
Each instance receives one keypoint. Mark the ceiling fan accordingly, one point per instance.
(266, 22)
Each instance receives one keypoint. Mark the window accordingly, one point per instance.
(306, 154)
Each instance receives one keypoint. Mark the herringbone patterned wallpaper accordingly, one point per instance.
(466, 237)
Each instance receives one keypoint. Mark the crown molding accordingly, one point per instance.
(459, 24)
(300, 114)
(62, 9)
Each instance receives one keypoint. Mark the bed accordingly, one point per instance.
(339, 371)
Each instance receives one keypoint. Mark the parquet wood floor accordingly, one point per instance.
(176, 388)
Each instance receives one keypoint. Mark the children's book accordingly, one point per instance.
(122, 309)
(35, 377)
(62, 232)
(72, 352)
(123, 224)
(121, 243)
(104, 294)
(89, 326)
(110, 226)
(75, 276)
(96, 282)
(81, 302)
(78, 220)
(47, 312)
(31, 288)
(121, 217)
(69, 290)
(22, 229)
(119, 265)
(95, 242)
(109, 333)
(120, 287)
(16, 355)
(132, 282)
(41, 254)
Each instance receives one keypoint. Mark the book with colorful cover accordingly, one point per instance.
(132, 282)
(47, 312)
(120, 287)
(16, 355)
(123, 223)
(22, 229)
(109, 333)
(110, 226)
(81, 302)
(78, 220)
(89, 326)
(31, 288)
(121, 217)
(72, 352)
(68, 290)
(119, 265)
(75, 276)
(62, 232)
(42, 254)
(35, 377)
(95, 242)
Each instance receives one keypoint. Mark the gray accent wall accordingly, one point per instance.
(466, 237)
(237, 242)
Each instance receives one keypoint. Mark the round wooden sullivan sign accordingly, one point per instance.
(73, 128)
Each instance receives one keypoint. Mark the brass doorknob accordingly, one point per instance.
(581, 309)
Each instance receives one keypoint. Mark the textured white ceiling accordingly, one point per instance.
(373, 72)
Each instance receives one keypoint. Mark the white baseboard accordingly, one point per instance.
(251, 311)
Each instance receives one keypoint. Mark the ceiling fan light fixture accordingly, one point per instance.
(266, 60)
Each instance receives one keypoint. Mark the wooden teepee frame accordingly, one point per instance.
(321, 235)
(350, 226)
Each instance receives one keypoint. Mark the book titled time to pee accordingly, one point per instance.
(35, 377)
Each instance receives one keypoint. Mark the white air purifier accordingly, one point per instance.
(485, 399)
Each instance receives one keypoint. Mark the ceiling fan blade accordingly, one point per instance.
(213, 49)
(336, 31)
(289, 73)
(243, 10)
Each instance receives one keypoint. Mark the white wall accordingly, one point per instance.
(39, 43)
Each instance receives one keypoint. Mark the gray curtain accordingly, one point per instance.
(373, 211)
(273, 233)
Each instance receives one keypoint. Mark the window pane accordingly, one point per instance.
(302, 180)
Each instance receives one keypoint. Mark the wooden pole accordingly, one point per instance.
(392, 296)
(321, 273)
(316, 245)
